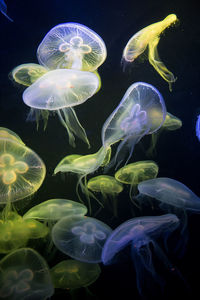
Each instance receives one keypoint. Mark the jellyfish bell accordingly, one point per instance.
(7, 133)
(59, 91)
(72, 46)
(141, 111)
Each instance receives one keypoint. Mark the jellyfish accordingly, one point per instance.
(27, 74)
(198, 127)
(55, 209)
(109, 187)
(82, 165)
(24, 274)
(171, 123)
(82, 238)
(73, 274)
(141, 111)
(141, 234)
(3, 9)
(72, 46)
(150, 36)
(21, 171)
(136, 172)
(58, 91)
(7, 133)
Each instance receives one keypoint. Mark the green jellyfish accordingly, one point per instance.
(82, 165)
(55, 209)
(27, 74)
(150, 36)
(108, 186)
(73, 274)
(24, 274)
(21, 171)
(7, 133)
(171, 123)
(134, 173)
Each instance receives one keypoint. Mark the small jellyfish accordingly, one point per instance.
(198, 127)
(141, 233)
(58, 91)
(55, 209)
(27, 74)
(81, 238)
(141, 111)
(21, 171)
(73, 274)
(134, 173)
(3, 9)
(150, 36)
(72, 46)
(24, 274)
(108, 186)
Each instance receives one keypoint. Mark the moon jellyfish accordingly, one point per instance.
(134, 173)
(58, 91)
(55, 209)
(109, 187)
(74, 274)
(72, 46)
(198, 127)
(27, 74)
(171, 123)
(150, 36)
(141, 234)
(82, 165)
(81, 238)
(21, 171)
(9, 134)
(141, 111)
(24, 274)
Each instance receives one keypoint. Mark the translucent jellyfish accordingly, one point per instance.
(109, 187)
(27, 74)
(171, 123)
(7, 133)
(81, 238)
(136, 172)
(58, 91)
(74, 274)
(21, 171)
(55, 209)
(141, 233)
(24, 274)
(150, 36)
(72, 46)
(82, 165)
(198, 127)
(141, 111)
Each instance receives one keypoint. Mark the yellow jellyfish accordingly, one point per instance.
(21, 171)
(150, 36)
(7, 133)
(108, 186)
(27, 74)
(134, 173)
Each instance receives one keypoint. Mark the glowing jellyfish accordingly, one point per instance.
(21, 171)
(3, 9)
(81, 238)
(171, 123)
(134, 173)
(198, 127)
(141, 111)
(55, 209)
(108, 186)
(82, 165)
(150, 36)
(74, 274)
(27, 74)
(141, 234)
(72, 46)
(24, 274)
(9, 134)
(58, 91)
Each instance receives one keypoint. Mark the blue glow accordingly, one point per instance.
(198, 127)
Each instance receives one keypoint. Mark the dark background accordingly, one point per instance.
(178, 152)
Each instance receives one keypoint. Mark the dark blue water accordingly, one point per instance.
(178, 152)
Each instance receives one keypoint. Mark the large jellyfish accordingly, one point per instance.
(150, 36)
(24, 274)
(141, 233)
(58, 91)
(81, 238)
(141, 111)
(72, 46)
